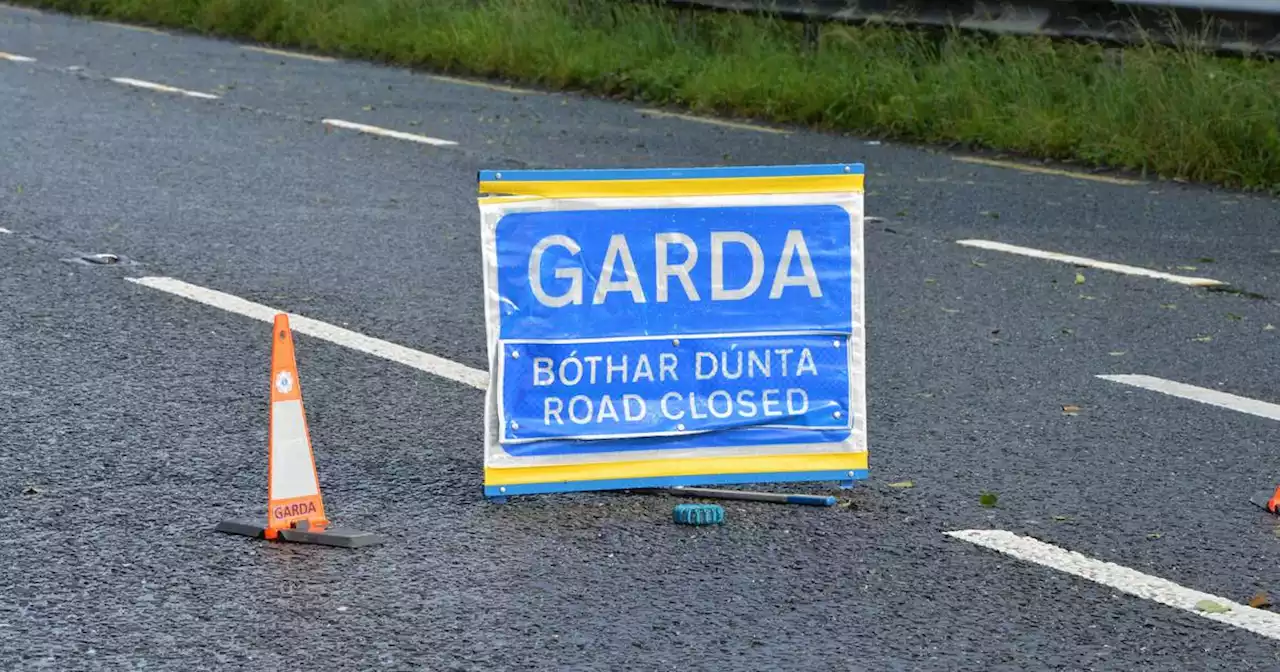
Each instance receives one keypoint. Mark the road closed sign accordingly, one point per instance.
(652, 328)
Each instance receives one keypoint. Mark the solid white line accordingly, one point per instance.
(128, 26)
(1092, 263)
(375, 130)
(1203, 395)
(716, 122)
(15, 8)
(1126, 580)
(290, 54)
(142, 84)
(1046, 171)
(482, 85)
(304, 325)
(16, 58)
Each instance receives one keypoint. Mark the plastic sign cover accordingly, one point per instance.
(649, 328)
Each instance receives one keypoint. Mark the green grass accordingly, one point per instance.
(1172, 113)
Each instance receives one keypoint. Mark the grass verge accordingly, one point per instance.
(1175, 113)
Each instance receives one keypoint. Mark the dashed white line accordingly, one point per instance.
(1203, 395)
(1126, 580)
(1091, 263)
(422, 361)
(16, 58)
(386, 132)
(142, 84)
(290, 54)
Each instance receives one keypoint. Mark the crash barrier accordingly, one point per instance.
(660, 328)
(1225, 26)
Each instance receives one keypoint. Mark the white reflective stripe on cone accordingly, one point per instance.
(292, 473)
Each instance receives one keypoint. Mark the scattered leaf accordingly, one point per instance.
(977, 263)
(1211, 607)
(1203, 339)
(1061, 518)
(950, 310)
(990, 213)
(1233, 316)
(873, 220)
(1169, 306)
(930, 281)
(1068, 332)
(31, 490)
(367, 108)
(902, 484)
(988, 499)
(1086, 297)
(901, 213)
(1070, 409)
(19, 188)
(1116, 353)
(1079, 278)
(1186, 268)
(1155, 535)
(1260, 600)
(1205, 260)
(1269, 327)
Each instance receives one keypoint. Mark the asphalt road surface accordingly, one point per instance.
(132, 420)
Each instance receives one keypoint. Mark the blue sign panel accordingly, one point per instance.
(674, 386)
(602, 273)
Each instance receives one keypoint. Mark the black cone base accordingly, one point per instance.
(330, 536)
(1261, 499)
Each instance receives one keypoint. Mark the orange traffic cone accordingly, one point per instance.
(295, 508)
(1269, 501)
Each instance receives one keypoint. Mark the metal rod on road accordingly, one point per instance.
(773, 497)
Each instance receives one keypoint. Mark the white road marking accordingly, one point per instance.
(421, 361)
(16, 58)
(141, 84)
(1203, 395)
(1126, 580)
(386, 132)
(15, 8)
(127, 26)
(1046, 171)
(483, 85)
(290, 54)
(1091, 263)
(715, 122)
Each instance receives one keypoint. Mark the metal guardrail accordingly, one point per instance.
(1223, 26)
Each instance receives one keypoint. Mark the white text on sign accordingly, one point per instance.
(619, 252)
(725, 365)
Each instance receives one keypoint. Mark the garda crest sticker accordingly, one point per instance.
(284, 382)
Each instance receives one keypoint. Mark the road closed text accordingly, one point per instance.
(662, 386)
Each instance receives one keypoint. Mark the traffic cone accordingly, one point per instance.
(295, 508)
(1268, 500)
